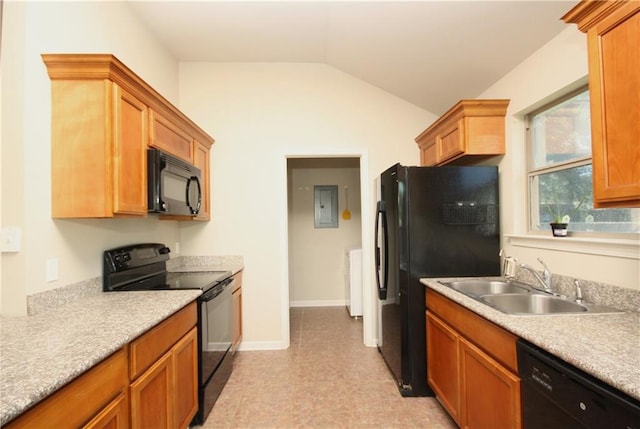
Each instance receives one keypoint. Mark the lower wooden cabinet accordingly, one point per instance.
(236, 326)
(471, 366)
(443, 359)
(151, 396)
(91, 400)
(185, 379)
(489, 394)
(151, 382)
(165, 395)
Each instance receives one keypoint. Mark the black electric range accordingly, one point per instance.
(143, 267)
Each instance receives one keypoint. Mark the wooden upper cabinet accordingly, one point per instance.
(103, 119)
(469, 131)
(97, 128)
(169, 137)
(613, 37)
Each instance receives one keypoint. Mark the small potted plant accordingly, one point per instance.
(559, 220)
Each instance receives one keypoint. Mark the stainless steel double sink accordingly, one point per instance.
(514, 297)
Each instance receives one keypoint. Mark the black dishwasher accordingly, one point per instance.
(556, 394)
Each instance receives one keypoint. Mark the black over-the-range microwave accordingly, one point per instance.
(173, 185)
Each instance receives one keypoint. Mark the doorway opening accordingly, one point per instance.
(321, 237)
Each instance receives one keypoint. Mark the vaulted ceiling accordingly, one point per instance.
(430, 53)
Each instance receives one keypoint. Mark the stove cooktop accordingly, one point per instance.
(144, 267)
(179, 280)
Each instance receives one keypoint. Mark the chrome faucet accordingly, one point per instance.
(545, 280)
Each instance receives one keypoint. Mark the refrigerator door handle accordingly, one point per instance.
(381, 221)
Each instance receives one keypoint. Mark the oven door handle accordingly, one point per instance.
(217, 290)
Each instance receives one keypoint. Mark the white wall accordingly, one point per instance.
(259, 114)
(316, 255)
(559, 65)
(29, 29)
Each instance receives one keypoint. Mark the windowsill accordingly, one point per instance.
(592, 246)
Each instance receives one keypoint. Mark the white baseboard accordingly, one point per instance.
(334, 303)
(260, 345)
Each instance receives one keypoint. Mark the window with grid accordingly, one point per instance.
(559, 172)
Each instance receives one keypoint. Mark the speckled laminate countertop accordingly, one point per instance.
(41, 353)
(603, 345)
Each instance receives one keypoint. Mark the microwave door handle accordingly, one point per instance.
(199, 202)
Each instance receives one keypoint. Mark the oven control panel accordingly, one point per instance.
(129, 257)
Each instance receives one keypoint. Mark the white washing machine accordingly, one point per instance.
(353, 280)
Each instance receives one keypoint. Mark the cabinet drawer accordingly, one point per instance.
(492, 339)
(148, 348)
(82, 399)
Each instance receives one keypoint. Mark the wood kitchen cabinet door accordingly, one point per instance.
(151, 396)
(185, 379)
(442, 364)
(614, 80)
(451, 141)
(131, 137)
(491, 394)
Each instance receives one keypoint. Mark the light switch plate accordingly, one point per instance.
(11, 239)
(52, 269)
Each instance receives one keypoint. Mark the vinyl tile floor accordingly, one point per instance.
(326, 379)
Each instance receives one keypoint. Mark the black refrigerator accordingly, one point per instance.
(430, 222)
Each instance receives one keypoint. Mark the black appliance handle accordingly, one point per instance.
(213, 293)
(381, 220)
(195, 210)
